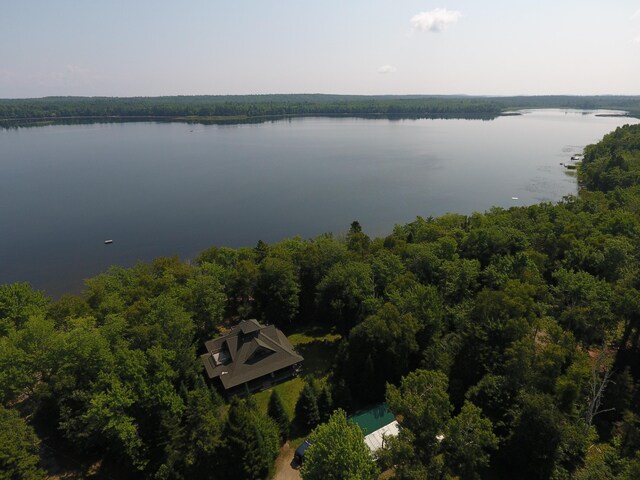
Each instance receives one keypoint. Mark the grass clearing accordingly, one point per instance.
(318, 344)
(312, 333)
(288, 391)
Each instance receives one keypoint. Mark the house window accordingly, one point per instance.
(221, 358)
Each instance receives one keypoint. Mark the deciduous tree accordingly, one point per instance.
(422, 404)
(338, 452)
(18, 448)
(468, 438)
(277, 291)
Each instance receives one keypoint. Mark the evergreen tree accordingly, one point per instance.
(357, 241)
(264, 442)
(342, 397)
(632, 471)
(535, 438)
(196, 450)
(251, 443)
(276, 411)
(325, 403)
(261, 251)
(307, 412)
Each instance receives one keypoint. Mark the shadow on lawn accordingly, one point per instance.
(315, 329)
(318, 357)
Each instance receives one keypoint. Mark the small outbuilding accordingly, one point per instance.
(377, 423)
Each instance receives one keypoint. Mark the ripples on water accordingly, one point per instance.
(175, 189)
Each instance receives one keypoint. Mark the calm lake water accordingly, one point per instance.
(175, 189)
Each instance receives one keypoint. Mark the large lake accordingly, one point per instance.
(175, 189)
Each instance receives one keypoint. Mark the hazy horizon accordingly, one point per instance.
(407, 47)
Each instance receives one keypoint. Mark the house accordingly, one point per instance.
(250, 357)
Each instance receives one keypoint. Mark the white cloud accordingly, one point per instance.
(636, 15)
(636, 39)
(387, 69)
(435, 20)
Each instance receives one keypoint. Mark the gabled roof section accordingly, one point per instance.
(249, 326)
(264, 345)
(255, 351)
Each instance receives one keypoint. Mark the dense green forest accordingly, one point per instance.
(246, 107)
(507, 344)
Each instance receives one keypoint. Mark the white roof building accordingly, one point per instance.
(375, 440)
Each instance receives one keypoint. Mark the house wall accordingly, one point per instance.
(262, 383)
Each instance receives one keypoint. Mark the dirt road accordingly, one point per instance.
(284, 469)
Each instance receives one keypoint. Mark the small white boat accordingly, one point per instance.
(514, 198)
(107, 242)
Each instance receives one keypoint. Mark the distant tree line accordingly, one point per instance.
(507, 341)
(243, 107)
(249, 106)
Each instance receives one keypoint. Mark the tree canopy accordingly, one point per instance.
(502, 341)
(338, 452)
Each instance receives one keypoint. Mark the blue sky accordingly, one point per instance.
(162, 47)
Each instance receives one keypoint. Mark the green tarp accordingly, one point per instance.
(373, 419)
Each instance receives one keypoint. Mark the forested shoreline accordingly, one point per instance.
(237, 108)
(506, 343)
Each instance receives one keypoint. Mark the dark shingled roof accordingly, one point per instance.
(249, 351)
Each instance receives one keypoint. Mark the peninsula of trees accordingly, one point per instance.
(506, 343)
